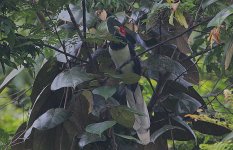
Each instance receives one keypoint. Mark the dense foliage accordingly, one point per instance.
(56, 67)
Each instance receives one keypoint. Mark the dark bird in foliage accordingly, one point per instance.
(120, 52)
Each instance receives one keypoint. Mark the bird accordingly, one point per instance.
(120, 52)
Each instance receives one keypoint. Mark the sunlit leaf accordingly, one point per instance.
(99, 128)
(181, 18)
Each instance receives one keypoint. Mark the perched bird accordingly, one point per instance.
(120, 52)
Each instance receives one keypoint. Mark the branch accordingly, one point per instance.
(74, 22)
(163, 42)
(202, 52)
(57, 50)
(84, 19)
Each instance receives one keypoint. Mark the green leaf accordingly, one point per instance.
(207, 3)
(48, 120)
(88, 138)
(228, 53)
(70, 78)
(127, 78)
(131, 138)
(123, 116)
(99, 128)
(228, 137)
(10, 77)
(161, 131)
(221, 16)
(181, 18)
(104, 91)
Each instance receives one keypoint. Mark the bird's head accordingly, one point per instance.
(115, 27)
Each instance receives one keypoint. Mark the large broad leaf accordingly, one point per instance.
(221, 16)
(228, 53)
(123, 115)
(183, 123)
(207, 3)
(192, 74)
(9, 77)
(44, 77)
(161, 131)
(48, 120)
(181, 86)
(181, 103)
(70, 78)
(99, 128)
(104, 91)
(186, 104)
(204, 124)
(209, 128)
(88, 138)
(164, 64)
(162, 118)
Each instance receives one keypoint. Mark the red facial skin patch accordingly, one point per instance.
(122, 31)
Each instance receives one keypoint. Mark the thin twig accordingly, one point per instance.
(74, 22)
(84, 19)
(172, 135)
(198, 11)
(72, 56)
(60, 41)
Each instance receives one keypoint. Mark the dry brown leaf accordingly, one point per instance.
(214, 36)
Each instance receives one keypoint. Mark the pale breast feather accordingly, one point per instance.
(121, 56)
